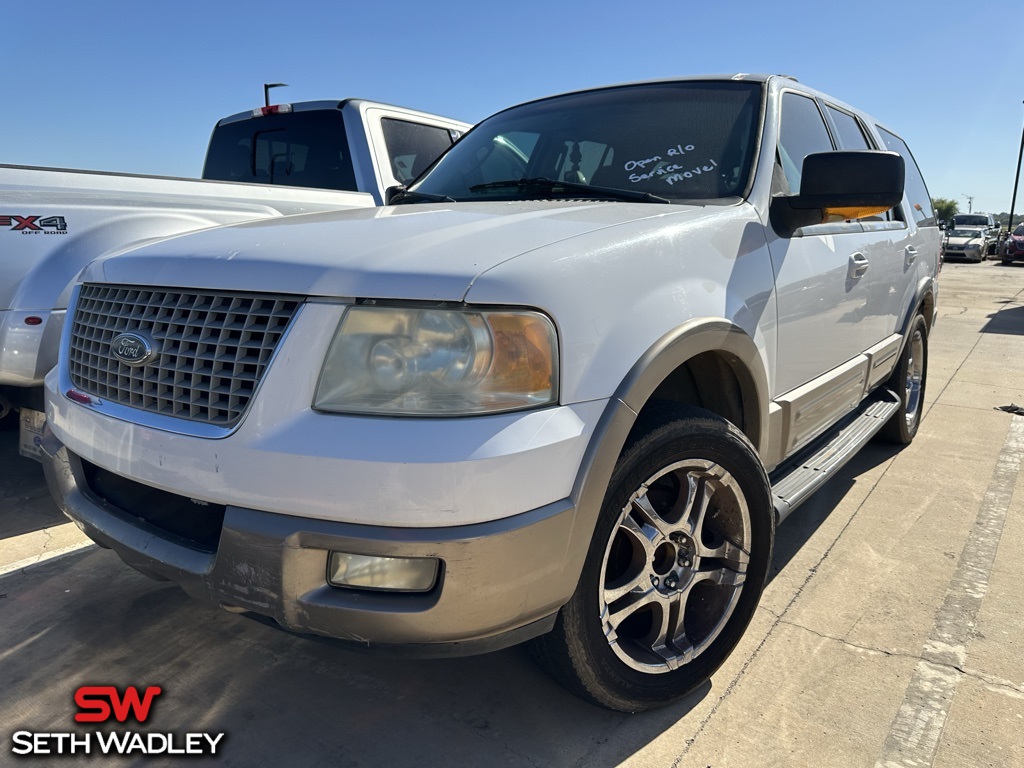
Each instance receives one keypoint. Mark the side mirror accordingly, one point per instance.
(390, 193)
(837, 186)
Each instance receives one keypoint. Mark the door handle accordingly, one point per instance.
(858, 265)
(911, 253)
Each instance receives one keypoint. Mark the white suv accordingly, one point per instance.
(563, 389)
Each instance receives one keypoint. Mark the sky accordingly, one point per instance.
(136, 87)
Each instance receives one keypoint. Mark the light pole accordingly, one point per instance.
(1016, 179)
(970, 202)
(266, 91)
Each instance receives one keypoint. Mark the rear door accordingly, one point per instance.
(921, 254)
(830, 278)
(890, 250)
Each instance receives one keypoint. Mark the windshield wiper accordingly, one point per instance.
(575, 186)
(411, 195)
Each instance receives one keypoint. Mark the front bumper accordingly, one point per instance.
(971, 254)
(501, 582)
(27, 352)
(1012, 255)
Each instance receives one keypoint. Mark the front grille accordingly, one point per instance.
(211, 349)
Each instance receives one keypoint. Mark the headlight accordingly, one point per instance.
(439, 362)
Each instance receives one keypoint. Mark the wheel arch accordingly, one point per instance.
(692, 359)
(924, 303)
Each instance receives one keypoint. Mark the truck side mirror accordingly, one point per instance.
(390, 192)
(838, 186)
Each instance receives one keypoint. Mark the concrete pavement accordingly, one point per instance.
(891, 632)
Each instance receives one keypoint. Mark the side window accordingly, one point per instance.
(851, 136)
(917, 192)
(802, 133)
(413, 146)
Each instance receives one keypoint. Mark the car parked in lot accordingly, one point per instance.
(985, 222)
(562, 389)
(1013, 247)
(965, 243)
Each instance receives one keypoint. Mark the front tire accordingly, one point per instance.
(675, 569)
(908, 382)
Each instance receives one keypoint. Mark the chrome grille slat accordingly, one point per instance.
(213, 348)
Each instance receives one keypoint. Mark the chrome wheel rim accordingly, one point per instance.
(915, 375)
(675, 566)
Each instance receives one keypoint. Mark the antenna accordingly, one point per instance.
(266, 91)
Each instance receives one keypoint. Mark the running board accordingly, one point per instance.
(796, 479)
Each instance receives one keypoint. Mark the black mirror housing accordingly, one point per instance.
(836, 186)
(390, 193)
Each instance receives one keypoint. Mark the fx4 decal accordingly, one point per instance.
(51, 225)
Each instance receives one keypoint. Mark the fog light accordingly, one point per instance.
(405, 574)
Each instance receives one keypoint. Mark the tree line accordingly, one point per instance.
(946, 209)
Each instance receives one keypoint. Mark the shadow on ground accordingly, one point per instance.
(25, 504)
(1006, 321)
(85, 618)
(794, 533)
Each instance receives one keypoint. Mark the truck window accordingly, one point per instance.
(413, 146)
(851, 136)
(802, 133)
(297, 149)
(917, 192)
(970, 220)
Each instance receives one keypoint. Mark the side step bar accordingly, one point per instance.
(796, 479)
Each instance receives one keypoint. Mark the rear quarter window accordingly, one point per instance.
(297, 149)
(412, 147)
(917, 192)
(851, 136)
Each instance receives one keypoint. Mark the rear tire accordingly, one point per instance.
(675, 568)
(908, 382)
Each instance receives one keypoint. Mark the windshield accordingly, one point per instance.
(970, 221)
(295, 149)
(1019, 231)
(965, 233)
(675, 141)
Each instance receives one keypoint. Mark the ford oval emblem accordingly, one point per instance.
(132, 349)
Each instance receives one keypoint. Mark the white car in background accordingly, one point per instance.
(966, 243)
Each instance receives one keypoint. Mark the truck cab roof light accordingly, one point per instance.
(273, 109)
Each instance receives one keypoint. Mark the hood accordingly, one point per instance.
(429, 252)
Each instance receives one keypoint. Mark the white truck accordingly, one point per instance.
(562, 390)
(53, 222)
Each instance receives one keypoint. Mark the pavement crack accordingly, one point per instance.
(843, 641)
(779, 618)
(991, 680)
(971, 673)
